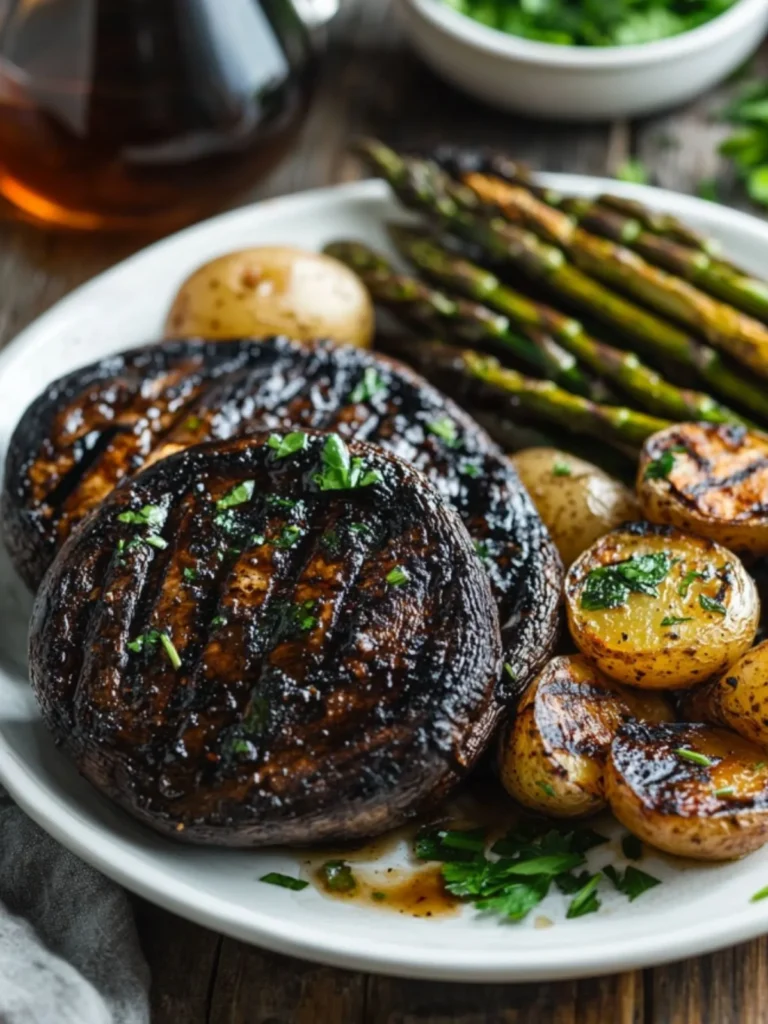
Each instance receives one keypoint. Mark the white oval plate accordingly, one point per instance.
(697, 909)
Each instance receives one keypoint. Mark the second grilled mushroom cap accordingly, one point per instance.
(271, 640)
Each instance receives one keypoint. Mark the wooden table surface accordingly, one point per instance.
(371, 83)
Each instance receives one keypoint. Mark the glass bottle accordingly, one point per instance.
(147, 114)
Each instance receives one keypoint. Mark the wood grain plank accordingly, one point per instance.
(256, 987)
(612, 1000)
(183, 958)
(729, 987)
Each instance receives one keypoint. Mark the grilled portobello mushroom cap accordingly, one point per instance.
(97, 426)
(245, 646)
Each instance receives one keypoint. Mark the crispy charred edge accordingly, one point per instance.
(644, 759)
(568, 713)
(732, 436)
(421, 767)
(29, 531)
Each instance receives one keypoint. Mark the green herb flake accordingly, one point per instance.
(193, 423)
(633, 882)
(470, 469)
(275, 501)
(674, 620)
(709, 604)
(695, 757)
(546, 787)
(724, 791)
(398, 576)
(759, 895)
(340, 471)
(358, 528)
(239, 495)
(634, 171)
(190, 575)
(218, 621)
(288, 538)
(510, 671)
(446, 430)
(472, 840)
(156, 541)
(560, 468)
(659, 469)
(337, 876)
(371, 384)
(170, 650)
(291, 444)
(284, 881)
(148, 641)
(153, 516)
(687, 580)
(585, 901)
(609, 586)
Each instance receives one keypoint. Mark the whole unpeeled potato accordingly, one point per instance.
(273, 290)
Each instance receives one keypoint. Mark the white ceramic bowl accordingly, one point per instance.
(582, 83)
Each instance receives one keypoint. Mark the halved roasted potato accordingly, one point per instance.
(660, 609)
(552, 755)
(692, 790)
(738, 699)
(711, 479)
(273, 290)
(576, 499)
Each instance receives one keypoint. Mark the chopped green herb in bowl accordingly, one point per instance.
(592, 22)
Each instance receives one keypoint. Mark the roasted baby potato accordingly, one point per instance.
(577, 501)
(738, 699)
(658, 608)
(710, 479)
(692, 790)
(273, 290)
(552, 756)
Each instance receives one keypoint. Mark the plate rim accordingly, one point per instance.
(98, 845)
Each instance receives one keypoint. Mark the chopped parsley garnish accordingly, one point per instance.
(529, 860)
(759, 895)
(724, 791)
(378, 896)
(149, 641)
(546, 787)
(585, 901)
(482, 550)
(244, 747)
(292, 443)
(218, 620)
(561, 468)
(633, 882)
(275, 501)
(709, 604)
(193, 423)
(398, 576)
(156, 541)
(337, 876)
(445, 429)
(510, 671)
(659, 469)
(370, 385)
(632, 847)
(687, 580)
(674, 620)
(190, 575)
(237, 496)
(358, 528)
(288, 538)
(695, 757)
(609, 586)
(470, 469)
(340, 471)
(284, 881)
(152, 516)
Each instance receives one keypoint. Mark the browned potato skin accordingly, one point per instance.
(670, 803)
(577, 500)
(717, 487)
(738, 699)
(273, 290)
(552, 756)
(629, 643)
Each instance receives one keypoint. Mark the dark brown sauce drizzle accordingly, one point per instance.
(418, 892)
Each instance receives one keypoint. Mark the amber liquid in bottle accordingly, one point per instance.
(145, 113)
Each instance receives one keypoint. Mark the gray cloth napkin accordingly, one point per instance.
(69, 953)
